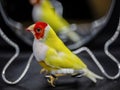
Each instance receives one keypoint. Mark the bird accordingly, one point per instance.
(43, 10)
(54, 57)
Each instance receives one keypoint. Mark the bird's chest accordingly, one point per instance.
(39, 50)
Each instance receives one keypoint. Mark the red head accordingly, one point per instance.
(34, 2)
(38, 29)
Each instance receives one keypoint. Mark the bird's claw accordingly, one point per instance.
(51, 79)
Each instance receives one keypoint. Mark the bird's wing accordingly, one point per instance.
(63, 60)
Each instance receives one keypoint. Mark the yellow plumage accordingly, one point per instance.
(58, 55)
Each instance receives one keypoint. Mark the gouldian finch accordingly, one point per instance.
(44, 11)
(54, 57)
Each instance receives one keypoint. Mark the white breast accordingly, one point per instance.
(39, 50)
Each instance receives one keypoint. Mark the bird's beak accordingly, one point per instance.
(30, 28)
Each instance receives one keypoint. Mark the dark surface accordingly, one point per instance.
(36, 81)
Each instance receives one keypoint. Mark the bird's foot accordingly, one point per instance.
(51, 79)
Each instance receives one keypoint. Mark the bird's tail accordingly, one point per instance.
(92, 76)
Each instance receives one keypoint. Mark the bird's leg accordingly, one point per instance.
(52, 78)
(43, 70)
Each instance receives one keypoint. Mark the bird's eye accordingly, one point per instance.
(38, 30)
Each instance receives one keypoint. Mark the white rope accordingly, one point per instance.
(10, 42)
(106, 47)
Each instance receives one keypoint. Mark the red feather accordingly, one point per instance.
(41, 26)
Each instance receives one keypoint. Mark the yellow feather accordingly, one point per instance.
(47, 67)
(58, 55)
(63, 60)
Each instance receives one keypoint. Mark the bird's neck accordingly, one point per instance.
(50, 36)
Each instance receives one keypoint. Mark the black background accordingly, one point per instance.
(35, 81)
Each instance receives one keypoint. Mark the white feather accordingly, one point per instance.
(63, 71)
(39, 50)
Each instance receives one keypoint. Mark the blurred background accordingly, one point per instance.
(79, 10)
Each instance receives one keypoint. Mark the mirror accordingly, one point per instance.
(86, 18)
